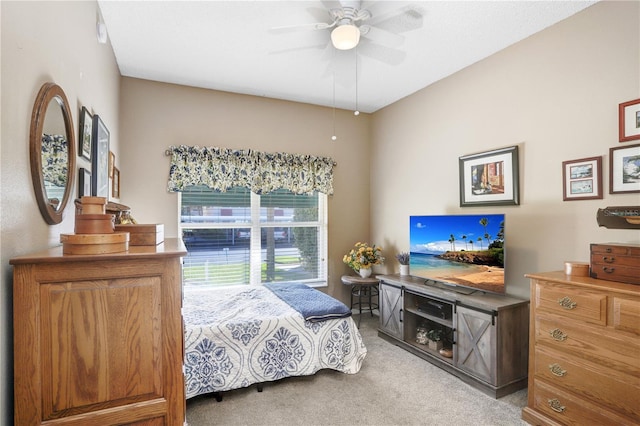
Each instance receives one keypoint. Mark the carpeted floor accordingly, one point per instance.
(393, 387)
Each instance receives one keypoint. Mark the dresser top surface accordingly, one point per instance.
(171, 247)
(562, 278)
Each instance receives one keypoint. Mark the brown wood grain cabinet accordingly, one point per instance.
(584, 362)
(98, 339)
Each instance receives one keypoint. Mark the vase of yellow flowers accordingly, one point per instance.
(362, 257)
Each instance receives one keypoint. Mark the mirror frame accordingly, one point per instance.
(47, 93)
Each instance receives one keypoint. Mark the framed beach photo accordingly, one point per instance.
(86, 133)
(100, 159)
(629, 120)
(490, 178)
(624, 169)
(582, 179)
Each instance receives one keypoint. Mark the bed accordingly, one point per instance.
(238, 336)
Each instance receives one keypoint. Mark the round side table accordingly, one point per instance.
(364, 289)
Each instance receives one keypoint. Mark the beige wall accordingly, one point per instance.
(154, 116)
(41, 42)
(556, 96)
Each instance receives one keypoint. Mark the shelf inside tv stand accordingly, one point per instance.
(446, 323)
(425, 350)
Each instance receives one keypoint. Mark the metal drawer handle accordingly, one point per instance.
(607, 259)
(608, 270)
(567, 303)
(556, 370)
(557, 334)
(555, 405)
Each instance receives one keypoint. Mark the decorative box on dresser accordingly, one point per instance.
(616, 262)
(584, 361)
(98, 339)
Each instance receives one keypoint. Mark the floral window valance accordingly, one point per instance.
(221, 169)
(55, 159)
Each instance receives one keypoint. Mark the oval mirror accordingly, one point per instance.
(52, 151)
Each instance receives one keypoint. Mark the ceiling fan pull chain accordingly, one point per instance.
(334, 137)
(355, 54)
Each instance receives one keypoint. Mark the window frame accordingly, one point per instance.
(255, 225)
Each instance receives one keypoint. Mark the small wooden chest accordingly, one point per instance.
(143, 234)
(616, 262)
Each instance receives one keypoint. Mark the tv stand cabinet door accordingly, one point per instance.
(391, 302)
(476, 344)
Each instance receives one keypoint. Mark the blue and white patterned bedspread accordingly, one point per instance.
(238, 336)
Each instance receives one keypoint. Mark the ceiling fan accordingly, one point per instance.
(348, 21)
(346, 34)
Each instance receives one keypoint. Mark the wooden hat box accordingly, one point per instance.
(91, 205)
(94, 243)
(143, 234)
(94, 224)
(576, 269)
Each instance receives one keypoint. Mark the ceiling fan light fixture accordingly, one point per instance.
(345, 37)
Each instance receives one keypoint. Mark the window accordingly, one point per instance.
(238, 237)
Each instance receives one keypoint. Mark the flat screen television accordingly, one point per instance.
(464, 253)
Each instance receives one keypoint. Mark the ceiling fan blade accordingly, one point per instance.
(318, 14)
(301, 27)
(398, 20)
(340, 67)
(356, 4)
(298, 49)
(331, 4)
(380, 36)
(381, 53)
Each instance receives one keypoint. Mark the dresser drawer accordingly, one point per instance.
(571, 302)
(616, 249)
(603, 346)
(616, 271)
(615, 260)
(616, 390)
(626, 314)
(566, 408)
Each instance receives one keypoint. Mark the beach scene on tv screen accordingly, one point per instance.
(466, 250)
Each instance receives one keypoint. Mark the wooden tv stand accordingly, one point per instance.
(488, 333)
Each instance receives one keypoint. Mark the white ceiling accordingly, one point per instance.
(231, 45)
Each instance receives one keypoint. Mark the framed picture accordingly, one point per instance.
(490, 178)
(112, 163)
(86, 133)
(582, 179)
(629, 119)
(84, 182)
(115, 183)
(100, 159)
(624, 169)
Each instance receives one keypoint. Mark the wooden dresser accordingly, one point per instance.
(98, 339)
(584, 351)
